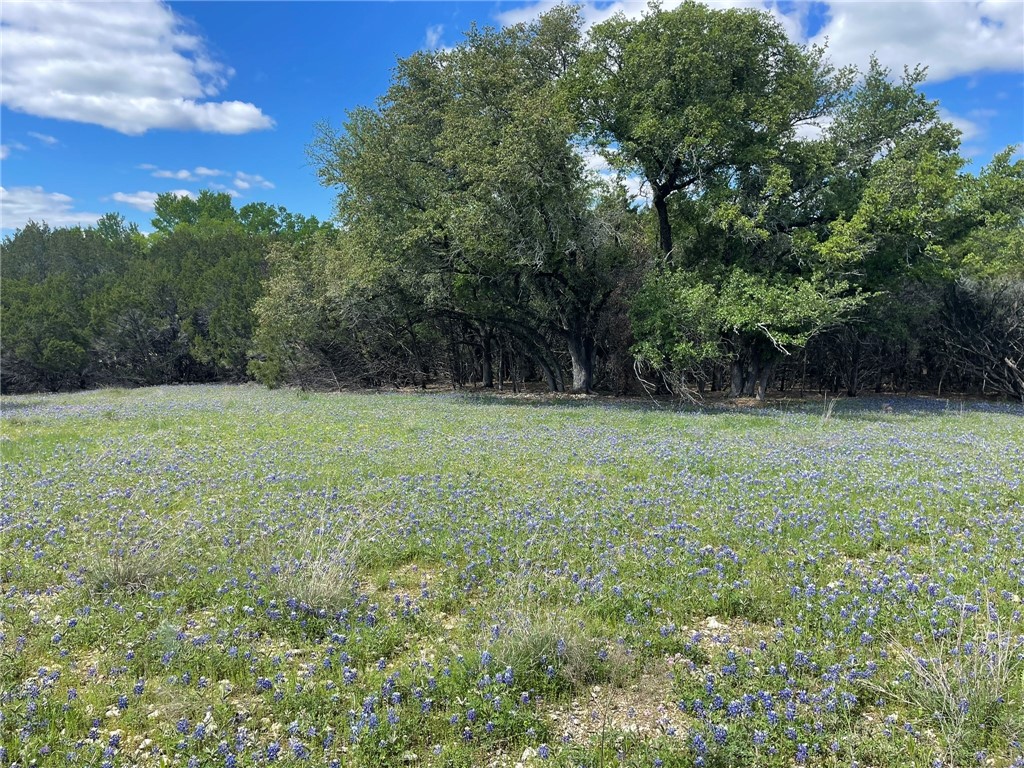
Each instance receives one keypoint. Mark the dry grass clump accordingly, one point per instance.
(970, 681)
(128, 566)
(322, 578)
(546, 644)
(134, 562)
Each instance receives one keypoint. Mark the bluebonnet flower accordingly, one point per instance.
(700, 746)
(801, 753)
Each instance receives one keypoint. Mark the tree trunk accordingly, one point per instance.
(549, 376)
(664, 227)
(754, 376)
(762, 381)
(853, 375)
(501, 365)
(452, 354)
(538, 349)
(736, 384)
(581, 351)
(486, 370)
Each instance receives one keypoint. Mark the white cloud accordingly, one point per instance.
(226, 190)
(812, 130)
(19, 205)
(14, 146)
(141, 200)
(969, 129)
(594, 13)
(594, 162)
(247, 180)
(44, 138)
(144, 200)
(240, 179)
(182, 175)
(950, 37)
(637, 188)
(131, 67)
(433, 38)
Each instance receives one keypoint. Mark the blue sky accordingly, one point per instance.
(105, 105)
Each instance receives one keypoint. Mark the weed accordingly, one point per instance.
(133, 562)
(545, 643)
(548, 645)
(322, 578)
(828, 408)
(968, 680)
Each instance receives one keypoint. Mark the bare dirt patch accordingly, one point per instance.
(644, 706)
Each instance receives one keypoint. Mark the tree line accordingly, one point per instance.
(806, 228)
(106, 305)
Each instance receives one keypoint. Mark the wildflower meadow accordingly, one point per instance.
(233, 576)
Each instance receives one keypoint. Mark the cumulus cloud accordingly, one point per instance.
(950, 37)
(594, 13)
(4, 151)
(248, 180)
(20, 205)
(181, 174)
(969, 129)
(131, 67)
(144, 200)
(239, 181)
(225, 189)
(594, 161)
(597, 165)
(433, 38)
(812, 130)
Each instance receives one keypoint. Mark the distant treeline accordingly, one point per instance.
(805, 228)
(107, 305)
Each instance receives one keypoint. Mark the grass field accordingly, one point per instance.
(218, 576)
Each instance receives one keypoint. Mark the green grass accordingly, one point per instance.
(443, 580)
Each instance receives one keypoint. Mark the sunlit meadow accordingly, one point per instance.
(228, 576)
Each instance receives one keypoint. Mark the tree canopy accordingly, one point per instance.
(798, 226)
